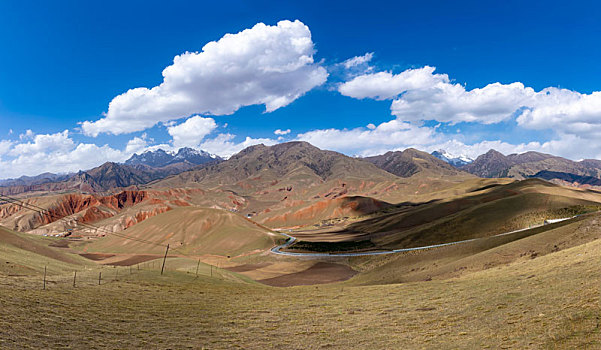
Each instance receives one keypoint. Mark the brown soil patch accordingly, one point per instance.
(63, 243)
(247, 267)
(319, 273)
(133, 260)
(96, 256)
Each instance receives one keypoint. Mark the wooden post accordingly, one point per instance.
(99, 277)
(165, 258)
(44, 277)
(197, 265)
(74, 278)
(211, 270)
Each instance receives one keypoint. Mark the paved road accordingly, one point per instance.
(291, 239)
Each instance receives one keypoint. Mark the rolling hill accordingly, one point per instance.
(486, 211)
(191, 230)
(22, 254)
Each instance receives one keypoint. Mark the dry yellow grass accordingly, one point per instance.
(191, 230)
(548, 302)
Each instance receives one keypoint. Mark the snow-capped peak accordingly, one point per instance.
(455, 160)
(160, 158)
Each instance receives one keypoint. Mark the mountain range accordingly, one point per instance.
(492, 164)
(300, 160)
(137, 170)
(160, 158)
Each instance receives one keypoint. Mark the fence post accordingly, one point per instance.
(99, 277)
(165, 258)
(74, 277)
(44, 277)
(197, 266)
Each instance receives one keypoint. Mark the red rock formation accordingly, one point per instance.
(143, 215)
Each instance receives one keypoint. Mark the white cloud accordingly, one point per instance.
(282, 132)
(27, 135)
(420, 94)
(224, 146)
(58, 153)
(457, 147)
(268, 65)
(5, 146)
(46, 143)
(358, 60)
(392, 135)
(565, 145)
(191, 132)
(385, 85)
(452, 103)
(397, 135)
(137, 144)
(569, 111)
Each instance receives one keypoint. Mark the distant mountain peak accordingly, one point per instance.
(160, 158)
(454, 160)
(410, 162)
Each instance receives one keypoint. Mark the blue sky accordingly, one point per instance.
(63, 63)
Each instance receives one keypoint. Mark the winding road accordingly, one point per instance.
(291, 240)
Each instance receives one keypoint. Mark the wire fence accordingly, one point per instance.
(103, 275)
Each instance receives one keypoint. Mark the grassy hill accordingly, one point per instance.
(546, 301)
(23, 254)
(191, 230)
(485, 211)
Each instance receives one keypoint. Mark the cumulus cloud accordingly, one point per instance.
(571, 111)
(59, 142)
(385, 85)
(58, 153)
(224, 145)
(137, 144)
(5, 146)
(397, 135)
(191, 132)
(420, 94)
(372, 140)
(282, 132)
(264, 65)
(452, 103)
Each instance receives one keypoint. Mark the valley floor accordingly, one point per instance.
(550, 301)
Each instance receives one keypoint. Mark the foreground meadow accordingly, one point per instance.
(546, 302)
